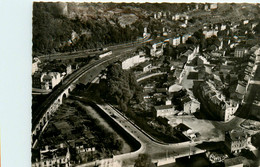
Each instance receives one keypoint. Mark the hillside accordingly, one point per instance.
(63, 27)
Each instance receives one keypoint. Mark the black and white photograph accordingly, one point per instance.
(145, 84)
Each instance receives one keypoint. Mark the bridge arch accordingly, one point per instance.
(41, 124)
(44, 120)
(48, 115)
(64, 96)
(59, 101)
(38, 128)
(34, 137)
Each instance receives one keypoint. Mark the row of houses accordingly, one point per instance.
(224, 109)
(181, 16)
(190, 106)
(60, 155)
(49, 78)
(57, 156)
(236, 140)
(46, 80)
(35, 64)
(188, 102)
(138, 58)
(249, 72)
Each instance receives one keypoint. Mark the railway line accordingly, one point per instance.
(117, 52)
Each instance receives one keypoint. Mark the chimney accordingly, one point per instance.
(46, 148)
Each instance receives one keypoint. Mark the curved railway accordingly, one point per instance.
(40, 111)
(37, 114)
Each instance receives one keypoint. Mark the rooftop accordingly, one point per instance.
(237, 135)
(182, 127)
(163, 107)
(186, 99)
(144, 64)
(234, 161)
(193, 75)
(175, 88)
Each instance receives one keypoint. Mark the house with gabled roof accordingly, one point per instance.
(165, 110)
(190, 105)
(236, 140)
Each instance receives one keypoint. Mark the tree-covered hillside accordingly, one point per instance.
(54, 31)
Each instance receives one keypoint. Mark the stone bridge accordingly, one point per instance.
(48, 114)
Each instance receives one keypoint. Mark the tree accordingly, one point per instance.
(144, 160)
(255, 140)
(192, 40)
(122, 86)
(257, 28)
(119, 145)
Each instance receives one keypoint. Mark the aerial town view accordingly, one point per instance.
(145, 84)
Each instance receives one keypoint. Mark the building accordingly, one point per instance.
(230, 109)
(208, 68)
(223, 27)
(185, 130)
(133, 61)
(255, 50)
(241, 88)
(175, 41)
(187, 56)
(176, 17)
(157, 49)
(65, 69)
(234, 162)
(245, 22)
(50, 80)
(240, 52)
(53, 157)
(210, 33)
(145, 67)
(35, 63)
(190, 105)
(236, 140)
(81, 149)
(164, 110)
(206, 7)
(221, 107)
(213, 6)
(74, 66)
(145, 32)
(175, 88)
(149, 87)
(185, 38)
(197, 7)
(37, 79)
(147, 95)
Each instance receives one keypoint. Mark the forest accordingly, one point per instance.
(52, 31)
(121, 87)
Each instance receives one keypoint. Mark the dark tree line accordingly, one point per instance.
(52, 30)
(121, 86)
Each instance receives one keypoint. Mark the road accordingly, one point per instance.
(150, 75)
(118, 52)
(253, 94)
(157, 150)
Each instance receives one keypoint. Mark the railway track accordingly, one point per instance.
(37, 114)
(40, 111)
